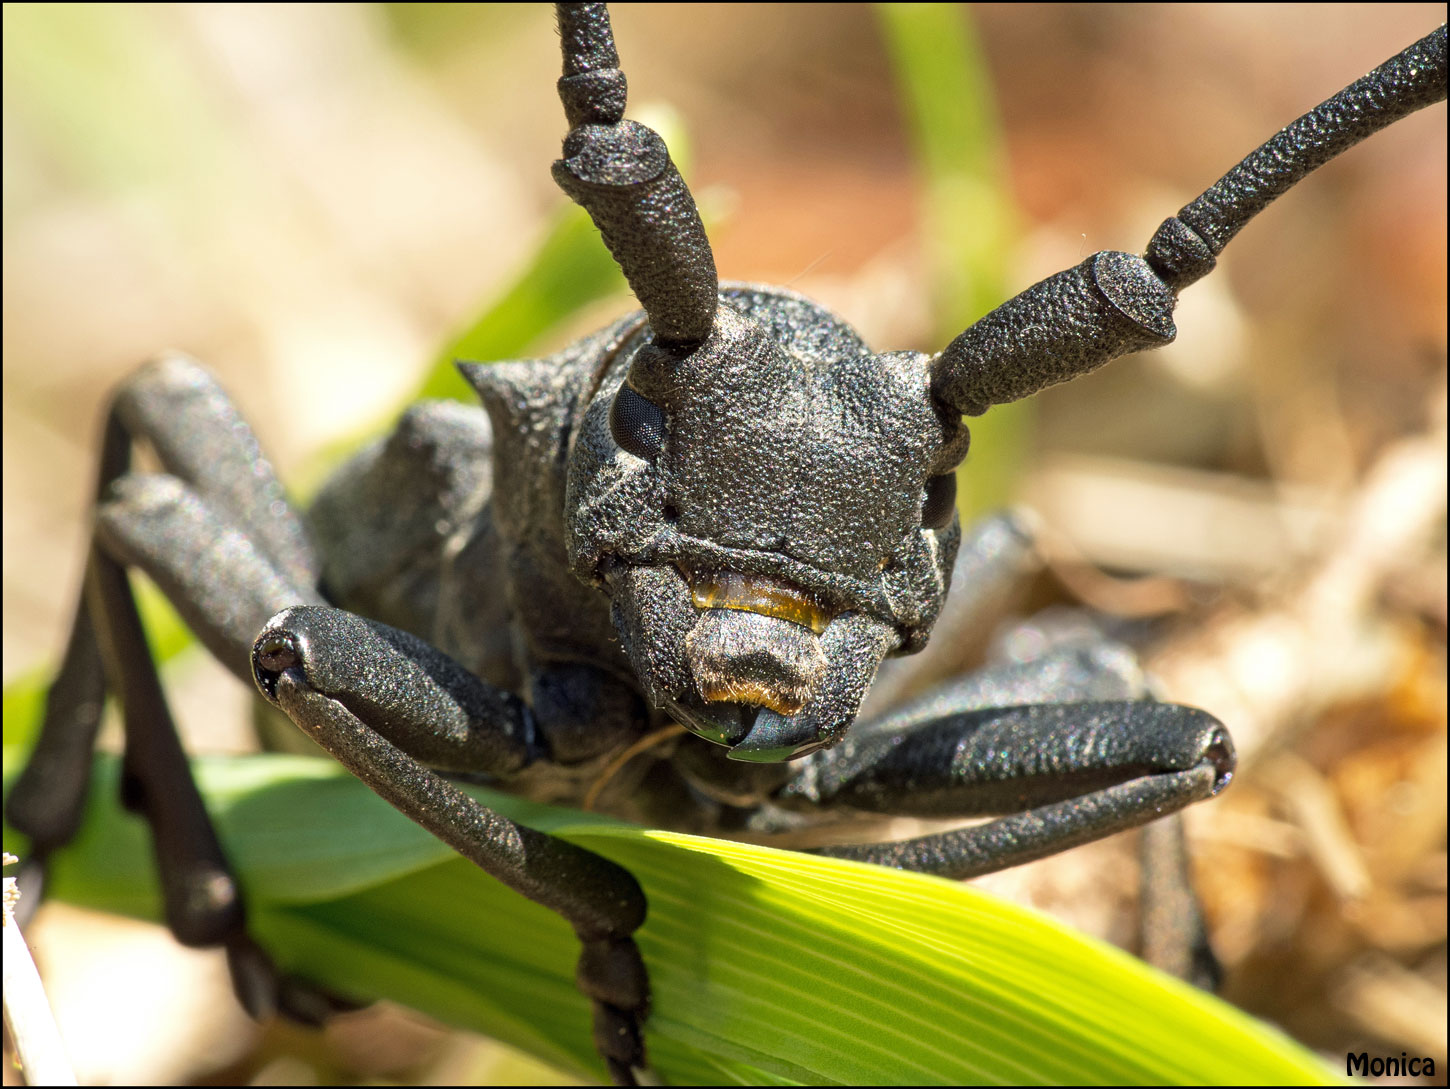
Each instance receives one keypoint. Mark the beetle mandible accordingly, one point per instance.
(795, 605)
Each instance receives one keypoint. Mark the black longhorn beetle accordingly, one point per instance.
(753, 581)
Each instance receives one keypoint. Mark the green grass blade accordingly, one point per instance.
(767, 966)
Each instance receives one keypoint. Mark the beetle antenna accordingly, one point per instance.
(621, 173)
(1116, 303)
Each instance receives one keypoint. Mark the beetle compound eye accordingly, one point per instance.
(636, 424)
(940, 501)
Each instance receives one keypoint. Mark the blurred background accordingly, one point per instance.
(315, 200)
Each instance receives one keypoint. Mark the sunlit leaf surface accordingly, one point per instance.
(767, 966)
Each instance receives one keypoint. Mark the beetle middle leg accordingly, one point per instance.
(1173, 933)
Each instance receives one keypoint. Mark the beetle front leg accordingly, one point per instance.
(1065, 774)
(379, 700)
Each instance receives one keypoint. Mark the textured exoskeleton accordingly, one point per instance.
(724, 511)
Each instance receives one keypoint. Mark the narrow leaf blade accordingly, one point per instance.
(765, 965)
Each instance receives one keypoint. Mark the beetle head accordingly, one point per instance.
(771, 511)
(768, 504)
